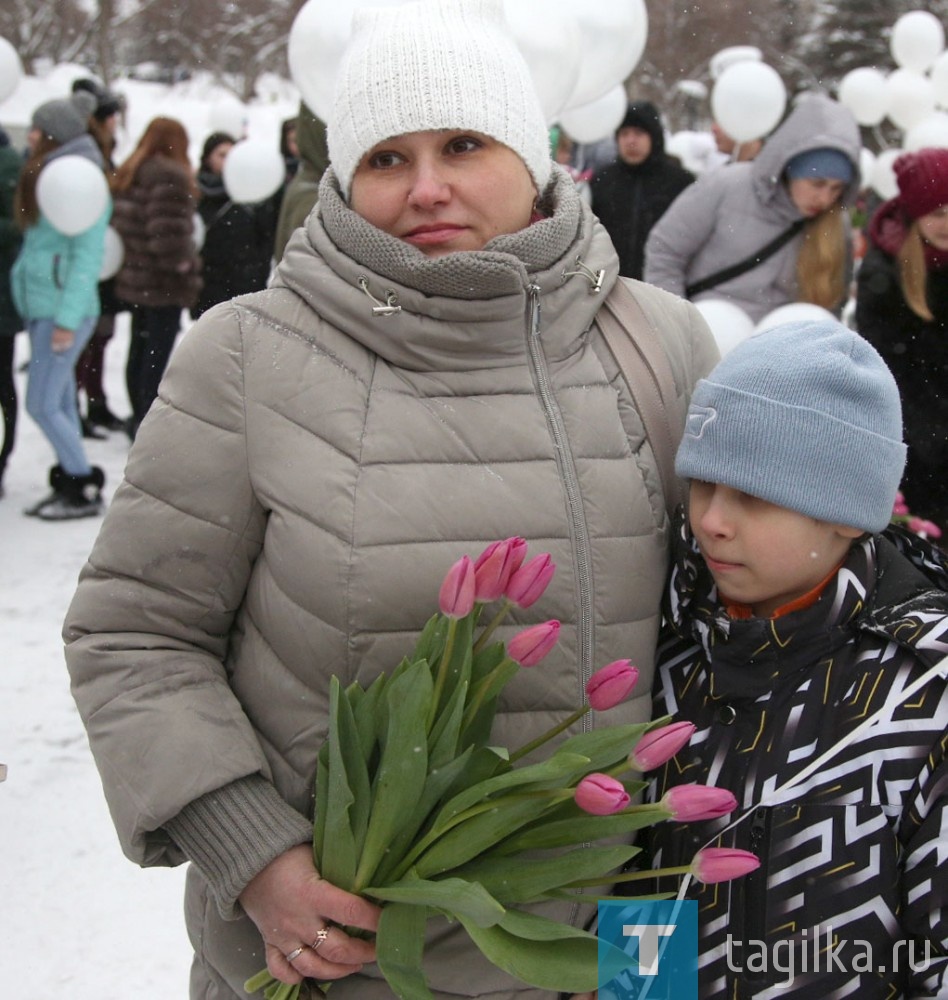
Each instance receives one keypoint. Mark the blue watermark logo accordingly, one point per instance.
(648, 949)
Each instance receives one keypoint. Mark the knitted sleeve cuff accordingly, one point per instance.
(234, 832)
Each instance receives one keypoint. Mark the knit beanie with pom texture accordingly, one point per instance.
(922, 178)
(805, 415)
(435, 64)
(66, 118)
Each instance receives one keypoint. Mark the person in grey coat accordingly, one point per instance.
(425, 373)
(795, 190)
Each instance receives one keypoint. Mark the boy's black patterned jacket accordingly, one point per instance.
(857, 860)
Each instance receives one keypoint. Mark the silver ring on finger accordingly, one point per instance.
(295, 953)
(321, 936)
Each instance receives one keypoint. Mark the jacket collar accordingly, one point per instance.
(462, 311)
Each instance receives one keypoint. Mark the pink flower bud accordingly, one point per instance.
(923, 527)
(900, 507)
(530, 646)
(695, 802)
(494, 566)
(456, 597)
(529, 582)
(721, 864)
(660, 745)
(601, 795)
(611, 684)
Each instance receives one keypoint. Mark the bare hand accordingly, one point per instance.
(291, 905)
(62, 339)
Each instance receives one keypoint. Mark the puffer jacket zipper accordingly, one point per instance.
(579, 529)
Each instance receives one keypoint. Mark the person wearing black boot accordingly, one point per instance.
(54, 287)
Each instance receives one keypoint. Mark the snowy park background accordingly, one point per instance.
(79, 920)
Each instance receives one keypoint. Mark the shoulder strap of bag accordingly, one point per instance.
(641, 358)
(758, 257)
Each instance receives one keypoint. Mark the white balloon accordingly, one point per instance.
(917, 40)
(929, 132)
(198, 231)
(113, 256)
(883, 176)
(939, 80)
(748, 100)
(229, 117)
(254, 170)
(11, 69)
(729, 323)
(548, 45)
(911, 98)
(317, 40)
(733, 54)
(598, 119)
(72, 193)
(867, 163)
(793, 312)
(611, 42)
(865, 93)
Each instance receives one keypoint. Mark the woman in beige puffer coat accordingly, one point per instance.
(319, 454)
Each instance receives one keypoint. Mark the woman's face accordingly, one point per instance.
(444, 190)
(933, 228)
(215, 159)
(813, 195)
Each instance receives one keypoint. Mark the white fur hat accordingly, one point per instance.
(435, 64)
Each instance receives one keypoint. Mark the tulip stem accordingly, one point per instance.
(549, 734)
(630, 876)
(473, 706)
(492, 625)
(442, 673)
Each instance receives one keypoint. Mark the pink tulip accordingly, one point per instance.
(494, 566)
(601, 795)
(530, 646)
(900, 507)
(456, 597)
(721, 864)
(611, 684)
(686, 803)
(529, 582)
(660, 745)
(923, 527)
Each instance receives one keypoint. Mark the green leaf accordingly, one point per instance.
(479, 832)
(431, 641)
(444, 735)
(356, 771)
(322, 798)
(453, 896)
(338, 855)
(606, 746)
(403, 765)
(540, 952)
(457, 667)
(581, 829)
(525, 880)
(554, 771)
(368, 716)
(399, 946)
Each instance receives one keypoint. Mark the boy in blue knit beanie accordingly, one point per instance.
(806, 639)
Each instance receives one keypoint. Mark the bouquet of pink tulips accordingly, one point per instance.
(416, 810)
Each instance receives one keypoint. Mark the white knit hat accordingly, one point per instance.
(435, 64)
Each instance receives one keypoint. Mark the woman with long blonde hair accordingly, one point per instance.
(902, 309)
(155, 200)
(772, 231)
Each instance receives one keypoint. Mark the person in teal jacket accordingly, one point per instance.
(55, 289)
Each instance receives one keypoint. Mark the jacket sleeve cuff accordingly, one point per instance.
(234, 832)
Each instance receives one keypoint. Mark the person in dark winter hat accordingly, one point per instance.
(630, 195)
(107, 103)
(902, 309)
(794, 613)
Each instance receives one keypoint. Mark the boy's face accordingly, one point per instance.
(760, 554)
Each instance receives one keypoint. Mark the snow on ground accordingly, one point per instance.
(79, 920)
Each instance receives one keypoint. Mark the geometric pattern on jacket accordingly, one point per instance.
(853, 883)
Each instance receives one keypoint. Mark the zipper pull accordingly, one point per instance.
(757, 827)
(534, 293)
